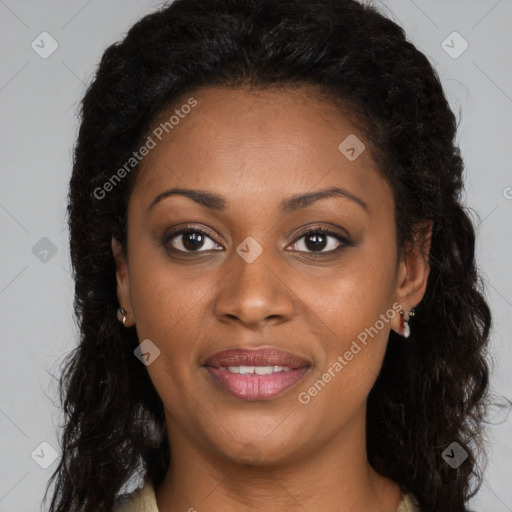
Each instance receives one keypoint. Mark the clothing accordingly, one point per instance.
(140, 500)
(143, 500)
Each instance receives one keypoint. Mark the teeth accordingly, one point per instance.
(258, 370)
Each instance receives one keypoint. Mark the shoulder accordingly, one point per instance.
(141, 499)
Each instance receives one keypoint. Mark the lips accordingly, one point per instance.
(234, 372)
(260, 357)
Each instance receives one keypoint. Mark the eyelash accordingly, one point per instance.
(345, 242)
(321, 230)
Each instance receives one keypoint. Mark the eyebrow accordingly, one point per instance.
(287, 206)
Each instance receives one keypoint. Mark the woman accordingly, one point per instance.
(326, 351)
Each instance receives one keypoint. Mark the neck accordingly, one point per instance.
(334, 475)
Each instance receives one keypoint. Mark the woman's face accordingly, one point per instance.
(246, 276)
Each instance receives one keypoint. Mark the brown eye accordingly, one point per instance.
(316, 240)
(191, 240)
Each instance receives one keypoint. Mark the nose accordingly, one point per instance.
(254, 293)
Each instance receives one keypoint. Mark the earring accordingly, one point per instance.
(121, 315)
(405, 330)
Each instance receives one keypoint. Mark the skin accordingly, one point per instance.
(256, 149)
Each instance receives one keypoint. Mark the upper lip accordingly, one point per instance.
(258, 357)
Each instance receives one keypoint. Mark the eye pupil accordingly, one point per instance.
(319, 241)
(192, 240)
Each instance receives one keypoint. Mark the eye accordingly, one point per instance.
(190, 239)
(317, 239)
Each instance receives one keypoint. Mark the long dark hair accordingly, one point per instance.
(432, 390)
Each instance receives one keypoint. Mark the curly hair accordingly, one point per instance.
(431, 391)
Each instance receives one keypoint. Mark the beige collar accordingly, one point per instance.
(144, 500)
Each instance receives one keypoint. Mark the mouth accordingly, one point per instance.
(256, 374)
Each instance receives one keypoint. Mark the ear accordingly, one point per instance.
(413, 271)
(123, 281)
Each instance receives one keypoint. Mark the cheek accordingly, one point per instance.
(164, 296)
(351, 313)
(351, 297)
(354, 347)
(167, 306)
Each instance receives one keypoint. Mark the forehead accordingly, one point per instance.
(261, 144)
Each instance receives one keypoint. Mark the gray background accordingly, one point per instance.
(38, 101)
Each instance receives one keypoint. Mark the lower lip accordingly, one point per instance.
(256, 387)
